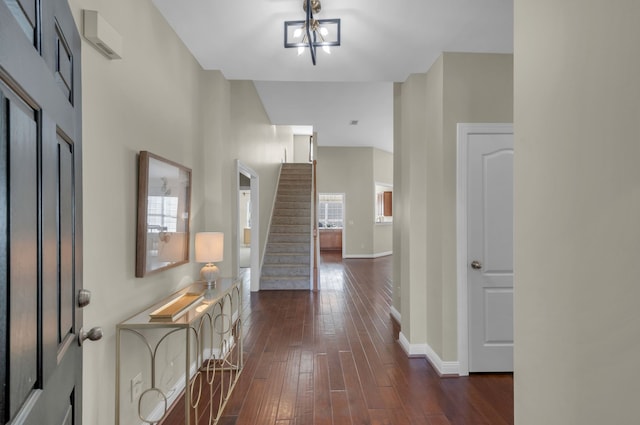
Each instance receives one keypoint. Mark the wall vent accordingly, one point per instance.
(105, 49)
(102, 35)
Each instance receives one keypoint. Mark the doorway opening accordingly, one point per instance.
(248, 224)
(331, 207)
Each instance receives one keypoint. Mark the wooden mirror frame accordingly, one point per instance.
(164, 214)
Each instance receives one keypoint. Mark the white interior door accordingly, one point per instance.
(490, 251)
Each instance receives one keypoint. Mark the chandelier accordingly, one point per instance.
(312, 33)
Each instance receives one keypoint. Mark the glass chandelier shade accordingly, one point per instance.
(312, 33)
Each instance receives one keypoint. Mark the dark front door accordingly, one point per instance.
(40, 214)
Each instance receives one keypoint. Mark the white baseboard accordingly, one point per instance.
(376, 255)
(395, 314)
(424, 350)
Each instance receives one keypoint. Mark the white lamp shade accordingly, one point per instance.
(209, 247)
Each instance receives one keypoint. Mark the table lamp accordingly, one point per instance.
(209, 248)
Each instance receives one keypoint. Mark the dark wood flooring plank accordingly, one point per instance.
(306, 361)
(228, 420)
(379, 417)
(355, 396)
(321, 392)
(336, 381)
(438, 420)
(264, 365)
(304, 400)
(268, 412)
(308, 335)
(367, 376)
(288, 397)
(250, 408)
(390, 397)
(410, 395)
(399, 417)
(340, 408)
(375, 363)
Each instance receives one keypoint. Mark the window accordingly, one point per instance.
(330, 208)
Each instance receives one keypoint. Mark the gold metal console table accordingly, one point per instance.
(196, 358)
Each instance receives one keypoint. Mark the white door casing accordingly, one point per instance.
(485, 235)
(242, 168)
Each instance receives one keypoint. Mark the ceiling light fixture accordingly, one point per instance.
(311, 32)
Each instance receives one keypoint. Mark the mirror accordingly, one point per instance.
(164, 205)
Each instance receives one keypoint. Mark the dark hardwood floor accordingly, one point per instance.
(331, 358)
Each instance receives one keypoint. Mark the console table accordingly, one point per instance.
(193, 357)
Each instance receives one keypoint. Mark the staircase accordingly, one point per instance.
(287, 258)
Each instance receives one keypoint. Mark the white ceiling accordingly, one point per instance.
(333, 106)
(382, 42)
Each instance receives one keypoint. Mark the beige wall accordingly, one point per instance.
(383, 174)
(478, 88)
(398, 207)
(382, 239)
(434, 165)
(238, 128)
(159, 99)
(409, 223)
(577, 238)
(459, 87)
(300, 149)
(383, 167)
(352, 171)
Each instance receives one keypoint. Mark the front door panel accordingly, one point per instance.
(23, 249)
(65, 285)
(41, 271)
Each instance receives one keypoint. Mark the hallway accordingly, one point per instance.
(330, 358)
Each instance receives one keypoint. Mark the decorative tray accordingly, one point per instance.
(176, 307)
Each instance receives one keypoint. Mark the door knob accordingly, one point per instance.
(476, 265)
(94, 334)
(84, 298)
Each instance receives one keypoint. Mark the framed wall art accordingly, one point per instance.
(164, 206)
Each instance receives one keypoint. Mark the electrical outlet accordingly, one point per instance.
(136, 387)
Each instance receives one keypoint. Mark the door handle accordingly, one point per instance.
(476, 265)
(94, 334)
(84, 298)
